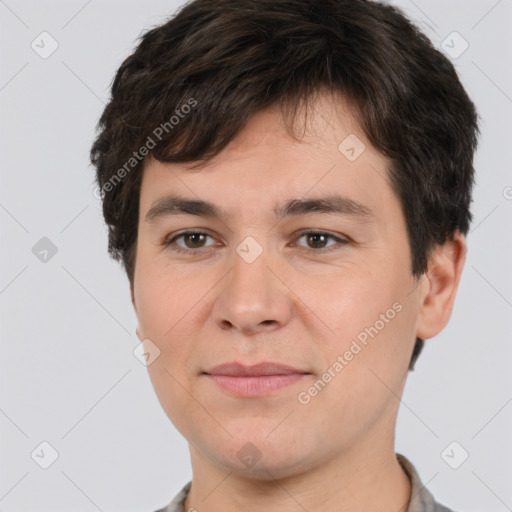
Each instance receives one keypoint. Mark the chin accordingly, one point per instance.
(261, 457)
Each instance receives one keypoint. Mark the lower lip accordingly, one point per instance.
(255, 386)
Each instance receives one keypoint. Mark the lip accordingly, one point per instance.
(254, 381)
(265, 368)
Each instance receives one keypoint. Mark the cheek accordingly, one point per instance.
(161, 299)
(162, 306)
(172, 309)
(170, 388)
(351, 302)
(372, 323)
(369, 364)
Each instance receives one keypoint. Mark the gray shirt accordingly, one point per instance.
(421, 499)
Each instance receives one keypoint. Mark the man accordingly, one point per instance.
(287, 184)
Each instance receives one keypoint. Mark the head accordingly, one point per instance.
(265, 116)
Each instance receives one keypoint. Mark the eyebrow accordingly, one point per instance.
(334, 204)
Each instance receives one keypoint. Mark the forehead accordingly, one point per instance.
(263, 168)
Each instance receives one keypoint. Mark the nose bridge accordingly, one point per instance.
(252, 297)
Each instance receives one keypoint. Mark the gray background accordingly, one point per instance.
(69, 376)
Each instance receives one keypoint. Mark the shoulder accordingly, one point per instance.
(441, 508)
(178, 502)
(422, 499)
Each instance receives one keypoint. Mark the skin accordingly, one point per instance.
(293, 304)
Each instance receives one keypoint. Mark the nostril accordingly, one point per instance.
(226, 324)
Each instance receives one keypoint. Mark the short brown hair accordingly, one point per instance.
(233, 58)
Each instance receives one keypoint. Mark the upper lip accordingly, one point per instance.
(265, 368)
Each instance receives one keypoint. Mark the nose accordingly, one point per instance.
(252, 297)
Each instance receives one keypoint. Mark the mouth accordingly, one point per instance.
(254, 381)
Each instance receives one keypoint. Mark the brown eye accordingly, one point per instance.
(317, 240)
(193, 241)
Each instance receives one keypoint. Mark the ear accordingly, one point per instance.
(439, 286)
(133, 295)
(137, 330)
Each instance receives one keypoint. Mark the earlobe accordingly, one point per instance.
(440, 286)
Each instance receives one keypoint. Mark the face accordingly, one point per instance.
(338, 304)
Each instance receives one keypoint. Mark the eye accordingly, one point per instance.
(193, 240)
(319, 238)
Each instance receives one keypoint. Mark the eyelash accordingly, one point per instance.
(170, 242)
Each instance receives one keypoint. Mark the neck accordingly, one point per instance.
(351, 481)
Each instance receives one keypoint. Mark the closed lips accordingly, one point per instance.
(257, 370)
